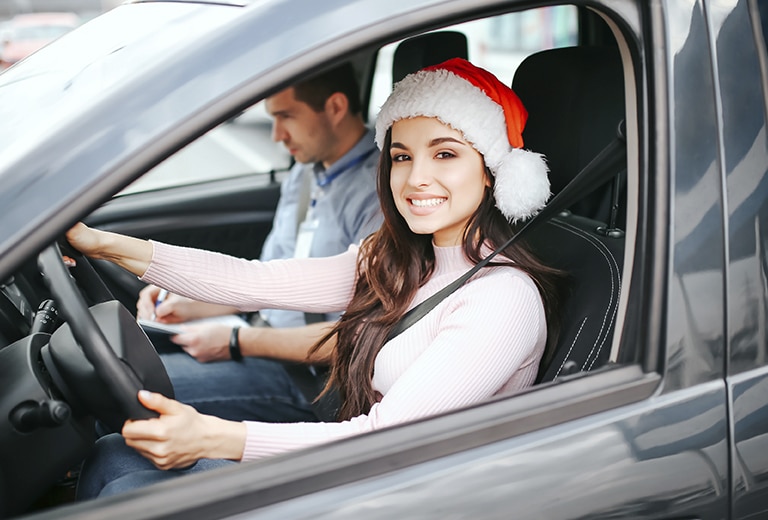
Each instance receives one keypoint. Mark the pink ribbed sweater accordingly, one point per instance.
(485, 338)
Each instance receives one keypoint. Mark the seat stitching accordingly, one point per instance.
(613, 267)
(599, 246)
(575, 339)
(614, 304)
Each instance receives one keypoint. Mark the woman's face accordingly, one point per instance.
(437, 178)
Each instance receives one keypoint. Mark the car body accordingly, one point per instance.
(28, 32)
(672, 424)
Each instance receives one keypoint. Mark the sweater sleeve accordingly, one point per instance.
(312, 284)
(491, 332)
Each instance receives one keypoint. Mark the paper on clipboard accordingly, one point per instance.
(160, 328)
(171, 329)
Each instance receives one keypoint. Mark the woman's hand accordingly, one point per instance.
(181, 435)
(84, 239)
(130, 253)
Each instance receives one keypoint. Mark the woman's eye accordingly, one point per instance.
(400, 157)
(445, 155)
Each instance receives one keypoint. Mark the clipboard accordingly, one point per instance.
(155, 327)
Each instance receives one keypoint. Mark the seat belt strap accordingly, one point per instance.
(304, 195)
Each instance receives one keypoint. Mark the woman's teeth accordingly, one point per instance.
(426, 202)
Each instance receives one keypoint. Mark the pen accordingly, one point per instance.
(160, 298)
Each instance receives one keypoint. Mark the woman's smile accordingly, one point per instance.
(422, 206)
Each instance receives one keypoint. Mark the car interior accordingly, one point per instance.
(575, 95)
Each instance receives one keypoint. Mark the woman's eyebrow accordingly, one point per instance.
(441, 140)
(434, 142)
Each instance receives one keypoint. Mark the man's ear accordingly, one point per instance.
(336, 107)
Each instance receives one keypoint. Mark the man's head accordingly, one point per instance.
(318, 119)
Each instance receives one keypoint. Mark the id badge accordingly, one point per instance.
(304, 238)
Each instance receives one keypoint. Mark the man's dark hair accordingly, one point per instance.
(316, 90)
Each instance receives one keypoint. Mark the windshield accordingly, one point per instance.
(84, 64)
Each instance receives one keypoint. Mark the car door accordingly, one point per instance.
(740, 55)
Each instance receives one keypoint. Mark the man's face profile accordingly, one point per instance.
(308, 135)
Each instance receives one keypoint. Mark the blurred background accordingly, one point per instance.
(84, 8)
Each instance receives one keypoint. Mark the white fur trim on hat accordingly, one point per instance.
(522, 186)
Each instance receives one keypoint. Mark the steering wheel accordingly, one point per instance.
(98, 348)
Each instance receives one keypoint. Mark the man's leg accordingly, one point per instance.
(254, 389)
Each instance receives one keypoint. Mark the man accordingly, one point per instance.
(327, 203)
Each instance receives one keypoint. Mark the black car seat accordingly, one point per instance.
(589, 305)
(575, 100)
(427, 49)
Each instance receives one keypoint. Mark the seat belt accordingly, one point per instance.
(301, 213)
(589, 178)
(304, 196)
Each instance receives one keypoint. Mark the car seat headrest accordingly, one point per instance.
(427, 49)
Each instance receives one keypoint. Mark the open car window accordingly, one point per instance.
(243, 146)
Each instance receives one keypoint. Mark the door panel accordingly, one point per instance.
(662, 458)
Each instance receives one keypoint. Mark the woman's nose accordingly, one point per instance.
(421, 173)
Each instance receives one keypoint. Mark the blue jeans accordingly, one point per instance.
(113, 468)
(254, 389)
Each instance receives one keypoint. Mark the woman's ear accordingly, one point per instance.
(336, 107)
(488, 178)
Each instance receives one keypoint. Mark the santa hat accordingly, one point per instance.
(488, 114)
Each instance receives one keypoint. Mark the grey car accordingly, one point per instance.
(147, 120)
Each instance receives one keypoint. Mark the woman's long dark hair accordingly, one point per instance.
(393, 264)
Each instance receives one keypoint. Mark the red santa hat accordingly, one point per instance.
(489, 115)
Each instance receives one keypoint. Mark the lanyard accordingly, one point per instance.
(327, 179)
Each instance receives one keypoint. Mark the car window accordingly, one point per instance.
(243, 146)
(497, 44)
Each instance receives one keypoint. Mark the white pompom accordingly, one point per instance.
(522, 184)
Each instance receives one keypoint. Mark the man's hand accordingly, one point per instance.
(181, 436)
(208, 342)
(175, 308)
